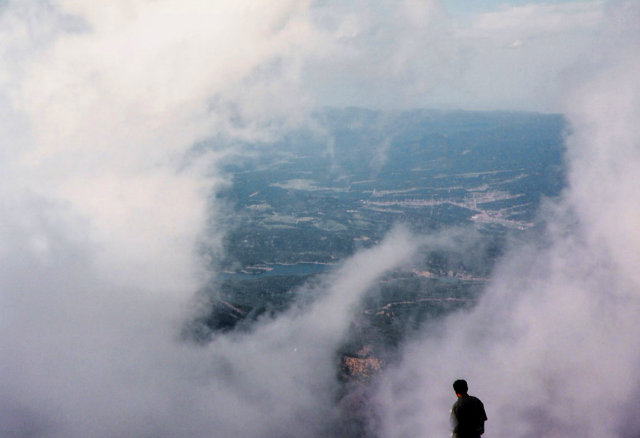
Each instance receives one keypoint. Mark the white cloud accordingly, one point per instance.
(103, 209)
(112, 106)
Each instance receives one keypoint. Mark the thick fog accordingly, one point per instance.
(105, 209)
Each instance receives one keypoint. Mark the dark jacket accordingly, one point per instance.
(468, 417)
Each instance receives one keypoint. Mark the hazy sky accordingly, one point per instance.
(484, 55)
(104, 206)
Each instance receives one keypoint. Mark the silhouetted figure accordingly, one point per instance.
(467, 414)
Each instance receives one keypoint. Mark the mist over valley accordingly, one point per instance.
(266, 219)
(299, 207)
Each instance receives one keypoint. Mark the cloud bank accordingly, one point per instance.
(103, 209)
(103, 205)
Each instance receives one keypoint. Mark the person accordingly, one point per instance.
(467, 414)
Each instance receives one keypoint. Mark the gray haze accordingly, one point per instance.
(103, 209)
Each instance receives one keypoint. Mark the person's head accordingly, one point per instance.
(460, 387)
